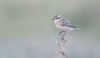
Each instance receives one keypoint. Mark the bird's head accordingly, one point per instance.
(57, 17)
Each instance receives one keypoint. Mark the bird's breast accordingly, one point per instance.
(59, 26)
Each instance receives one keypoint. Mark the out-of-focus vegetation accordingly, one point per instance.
(27, 30)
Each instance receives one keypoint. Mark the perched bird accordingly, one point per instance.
(63, 24)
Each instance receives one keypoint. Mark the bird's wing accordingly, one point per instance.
(67, 23)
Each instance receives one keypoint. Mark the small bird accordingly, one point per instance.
(63, 24)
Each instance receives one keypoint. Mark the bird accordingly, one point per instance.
(63, 23)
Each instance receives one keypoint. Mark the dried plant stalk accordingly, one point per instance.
(62, 40)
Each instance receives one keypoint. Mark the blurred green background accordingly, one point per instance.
(27, 31)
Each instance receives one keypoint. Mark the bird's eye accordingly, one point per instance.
(58, 17)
